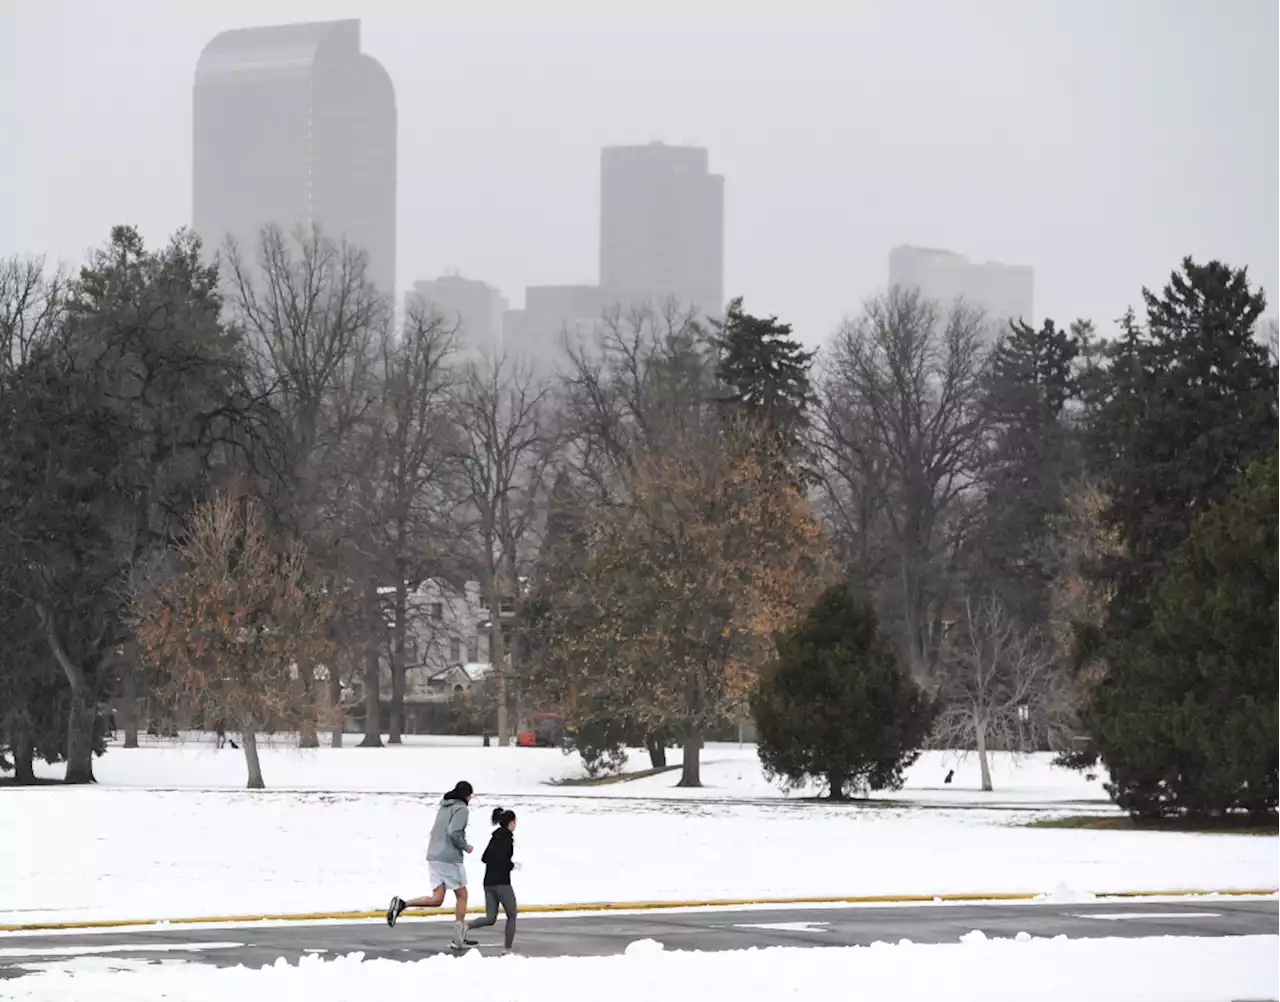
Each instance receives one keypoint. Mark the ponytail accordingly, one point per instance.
(501, 817)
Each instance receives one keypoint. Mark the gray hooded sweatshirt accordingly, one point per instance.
(448, 839)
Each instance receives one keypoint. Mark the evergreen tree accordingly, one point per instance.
(764, 370)
(1186, 717)
(834, 705)
(110, 432)
(1175, 416)
(1187, 405)
(1034, 458)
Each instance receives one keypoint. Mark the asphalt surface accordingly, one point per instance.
(608, 933)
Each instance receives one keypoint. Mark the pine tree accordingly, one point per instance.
(1189, 403)
(1034, 458)
(1186, 718)
(834, 705)
(765, 370)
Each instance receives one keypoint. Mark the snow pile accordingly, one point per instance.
(1145, 970)
(152, 855)
(1065, 894)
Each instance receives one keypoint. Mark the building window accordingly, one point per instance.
(437, 611)
(473, 649)
(455, 650)
(506, 606)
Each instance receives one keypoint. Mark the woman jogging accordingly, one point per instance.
(447, 843)
(498, 864)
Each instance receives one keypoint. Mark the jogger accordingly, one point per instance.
(498, 863)
(445, 850)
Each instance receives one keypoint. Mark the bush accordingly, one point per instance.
(834, 705)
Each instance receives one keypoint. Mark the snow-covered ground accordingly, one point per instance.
(1102, 970)
(729, 771)
(168, 833)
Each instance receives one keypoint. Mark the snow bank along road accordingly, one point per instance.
(977, 969)
(710, 930)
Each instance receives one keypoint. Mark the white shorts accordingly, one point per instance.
(451, 875)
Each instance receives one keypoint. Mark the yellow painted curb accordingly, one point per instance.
(620, 906)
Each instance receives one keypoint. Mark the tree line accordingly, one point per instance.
(223, 484)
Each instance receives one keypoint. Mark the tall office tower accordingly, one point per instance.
(294, 126)
(661, 226)
(554, 317)
(474, 308)
(1002, 291)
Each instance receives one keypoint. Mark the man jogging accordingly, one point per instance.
(445, 868)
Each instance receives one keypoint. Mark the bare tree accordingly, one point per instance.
(1000, 687)
(642, 379)
(229, 629)
(409, 497)
(506, 450)
(312, 320)
(901, 432)
(1271, 337)
(31, 303)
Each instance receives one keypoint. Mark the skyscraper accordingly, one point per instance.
(294, 126)
(474, 308)
(1002, 291)
(661, 226)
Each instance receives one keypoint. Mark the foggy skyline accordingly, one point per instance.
(1098, 143)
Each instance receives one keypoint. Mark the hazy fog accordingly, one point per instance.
(1096, 140)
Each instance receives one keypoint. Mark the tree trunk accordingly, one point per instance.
(335, 706)
(657, 753)
(395, 726)
(130, 703)
(308, 736)
(372, 688)
(691, 770)
(913, 615)
(980, 734)
(24, 770)
(80, 724)
(498, 658)
(836, 781)
(80, 736)
(249, 740)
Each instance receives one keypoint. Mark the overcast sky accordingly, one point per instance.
(1098, 140)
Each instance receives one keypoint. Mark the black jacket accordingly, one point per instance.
(497, 858)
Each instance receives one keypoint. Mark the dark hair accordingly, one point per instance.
(502, 817)
(460, 792)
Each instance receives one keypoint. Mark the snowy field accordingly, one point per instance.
(977, 970)
(434, 764)
(169, 833)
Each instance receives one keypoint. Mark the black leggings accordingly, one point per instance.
(494, 896)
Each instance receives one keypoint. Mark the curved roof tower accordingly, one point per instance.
(294, 125)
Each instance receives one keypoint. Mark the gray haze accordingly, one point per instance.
(1096, 141)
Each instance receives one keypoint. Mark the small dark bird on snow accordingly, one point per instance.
(949, 776)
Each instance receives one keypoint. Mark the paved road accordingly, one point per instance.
(552, 935)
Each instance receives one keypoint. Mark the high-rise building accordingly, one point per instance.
(551, 314)
(474, 308)
(661, 226)
(1002, 291)
(295, 126)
